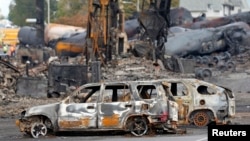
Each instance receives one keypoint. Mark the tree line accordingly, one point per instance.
(69, 12)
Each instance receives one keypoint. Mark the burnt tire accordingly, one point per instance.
(38, 129)
(230, 66)
(139, 127)
(201, 119)
(206, 73)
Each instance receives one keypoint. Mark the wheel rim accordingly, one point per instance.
(139, 127)
(201, 119)
(38, 129)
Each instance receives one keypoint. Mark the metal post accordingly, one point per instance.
(40, 21)
(96, 71)
(48, 3)
(138, 6)
(27, 67)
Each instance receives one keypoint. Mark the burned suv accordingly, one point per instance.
(133, 106)
(201, 103)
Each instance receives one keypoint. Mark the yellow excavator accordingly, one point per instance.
(105, 30)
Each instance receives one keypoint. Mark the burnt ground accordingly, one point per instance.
(132, 68)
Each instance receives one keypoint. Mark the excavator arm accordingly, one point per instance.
(105, 26)
(154, 21)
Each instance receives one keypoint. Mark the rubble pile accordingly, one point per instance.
(136, 68)
(123, 68)
(8, 78)
(129, 68)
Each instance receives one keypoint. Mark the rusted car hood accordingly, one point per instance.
(47, 109)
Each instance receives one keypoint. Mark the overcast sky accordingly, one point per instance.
(4, 6)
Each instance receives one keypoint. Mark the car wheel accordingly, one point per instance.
(201, 119)
(38, 129)
(139, 127)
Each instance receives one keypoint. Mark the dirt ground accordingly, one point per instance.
(139, 68)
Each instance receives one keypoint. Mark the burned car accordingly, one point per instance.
(201, 103)
(131, 106)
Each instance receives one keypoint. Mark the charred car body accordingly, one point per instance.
(201, 103)
(134, 106)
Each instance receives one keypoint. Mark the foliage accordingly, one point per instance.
(20, 10)
(53, 9)
(131, 8)
(71, 7)
(175, 3)
(72, 12)
(75, 20)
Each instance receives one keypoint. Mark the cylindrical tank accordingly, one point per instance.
(28, 36)
(71, 46)
(55, 31)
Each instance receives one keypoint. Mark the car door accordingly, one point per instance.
(79, 111)
(180, 93)
(116, 104)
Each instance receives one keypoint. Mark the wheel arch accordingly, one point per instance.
(210, 112)
(131, 117)
(45, 119)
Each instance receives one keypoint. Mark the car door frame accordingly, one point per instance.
(78, 116)
(185, 102)
(111, 115)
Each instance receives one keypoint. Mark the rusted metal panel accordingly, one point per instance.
(62, 76)
(84, 122)
(113, 114)
(33, 87)
(111, 120)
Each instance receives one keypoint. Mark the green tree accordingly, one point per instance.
(53, 9)
(71, 7)
(20, 10)
(130, 6)
(175, 3)
(72, 12)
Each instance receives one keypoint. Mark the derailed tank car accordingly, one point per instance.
(66, 40)
(71, 46)
(31, 47)
(27, 36)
